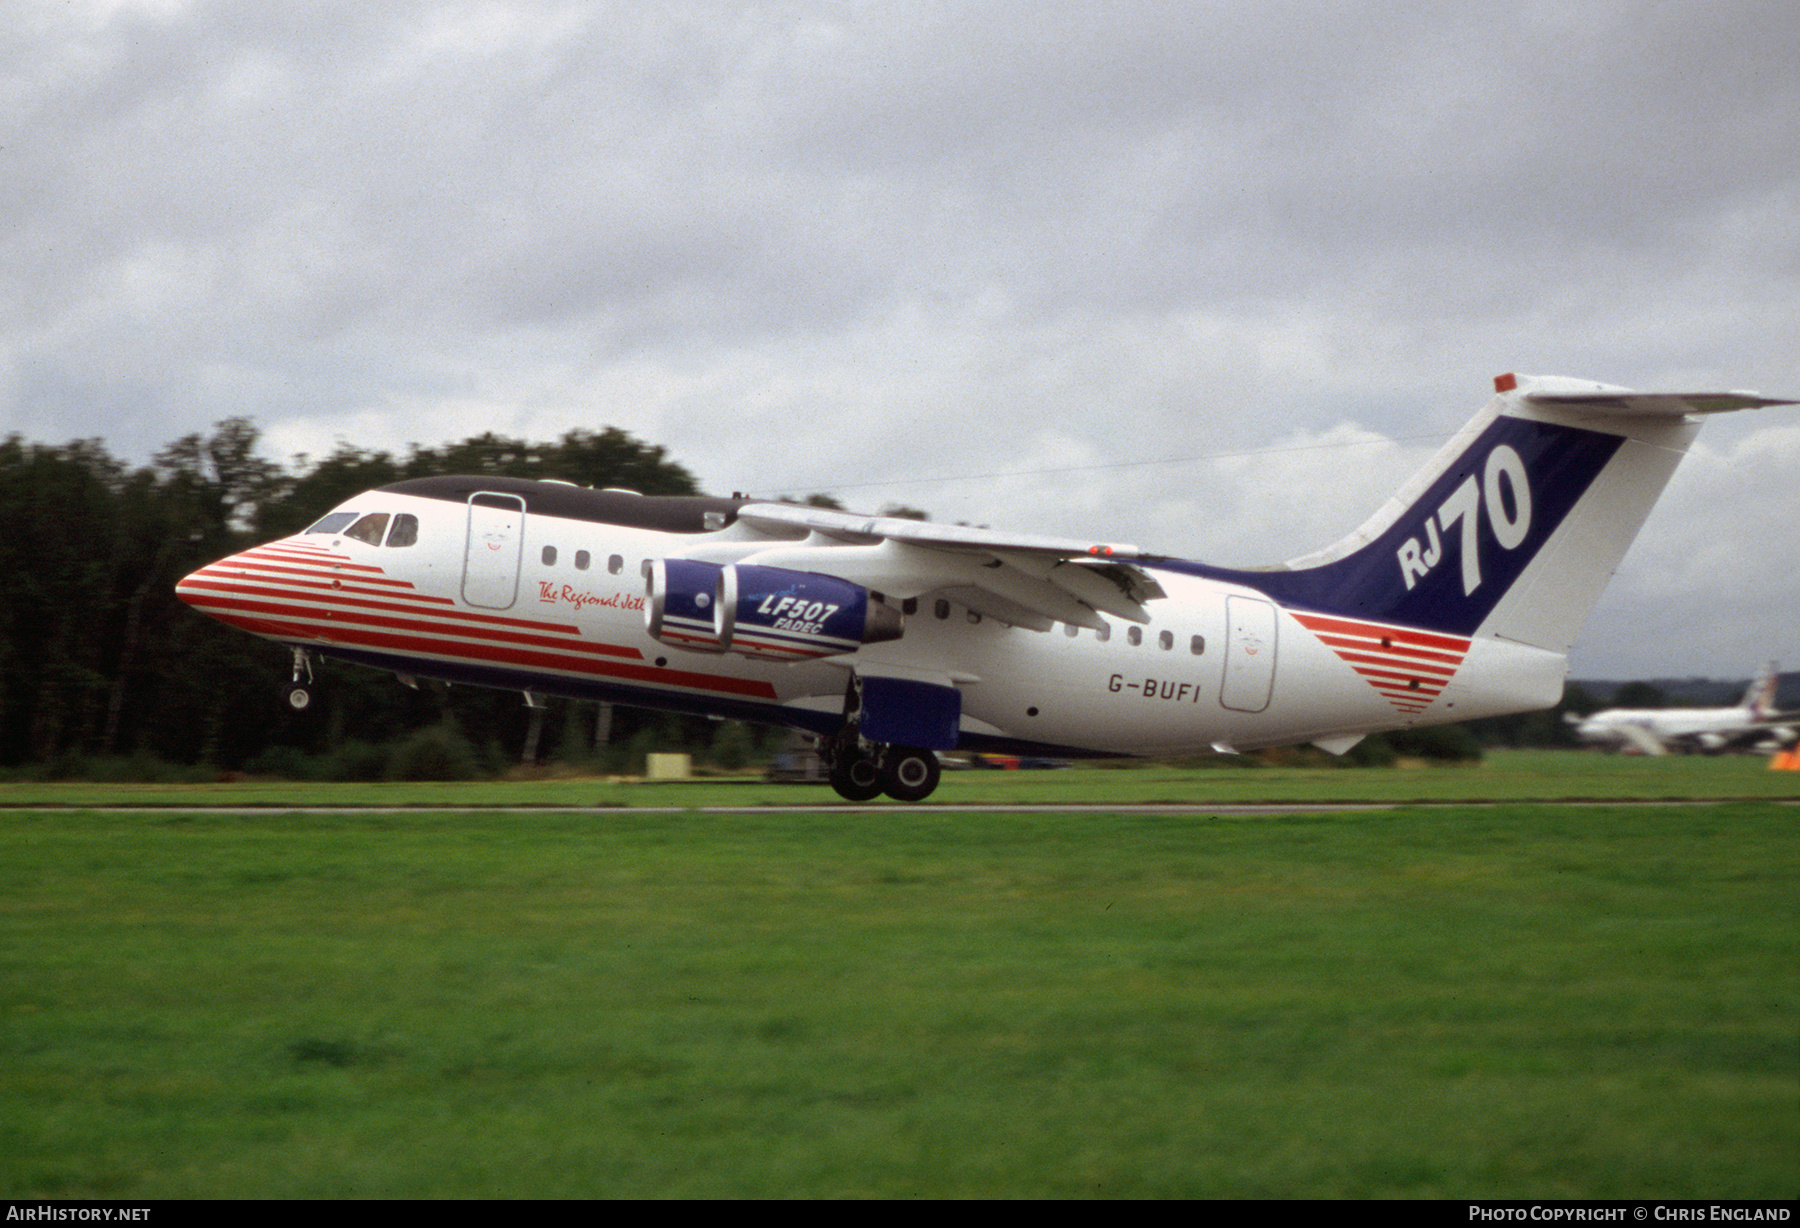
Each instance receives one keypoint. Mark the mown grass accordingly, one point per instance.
(1438, 1002)
(1503, 776)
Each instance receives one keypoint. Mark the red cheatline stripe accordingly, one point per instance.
(1389, 677)
(266, 582)
(343, 599)
(1400, 635)
(1402, 651)
(1408, 668)
(1404, 686)
(278, 550)
(1425, 660)
(1403, 695)
(339, 561)
(330, 620)
(479, 653)
(312, 573)
(1400, 674)
(319, 592)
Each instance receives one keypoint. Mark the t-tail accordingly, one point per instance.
(1514, 528)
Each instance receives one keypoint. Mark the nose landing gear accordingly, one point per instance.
(297, 694)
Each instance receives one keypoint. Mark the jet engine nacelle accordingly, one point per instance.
(679, 600)
(770, 613)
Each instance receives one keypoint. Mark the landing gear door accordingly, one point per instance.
(1249, 654)
(492, 552)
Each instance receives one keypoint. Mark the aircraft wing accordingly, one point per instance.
(852, 527)
(1018, 578)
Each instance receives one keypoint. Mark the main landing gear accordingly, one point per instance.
(862, 771)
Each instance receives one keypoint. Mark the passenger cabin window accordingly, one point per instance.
(1134, 635)
(333, 523)
(1165, 640)
(615, 564)
(405, 531)
(370, 528)
(582, 559)
(1105, 632)
(1197, 645)
(549, 556)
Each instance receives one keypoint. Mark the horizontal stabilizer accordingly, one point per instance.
(1587, 396)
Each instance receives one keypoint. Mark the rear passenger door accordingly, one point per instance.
(1249, 654)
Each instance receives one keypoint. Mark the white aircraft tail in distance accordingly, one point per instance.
(895, 639)
(1660, 731)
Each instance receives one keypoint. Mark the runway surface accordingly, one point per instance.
(894, 810)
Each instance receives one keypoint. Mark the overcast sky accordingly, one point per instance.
(1208, 277)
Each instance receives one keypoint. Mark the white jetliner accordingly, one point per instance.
(1657, 731)
(893, 639)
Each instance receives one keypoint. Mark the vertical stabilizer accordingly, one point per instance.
(1513, 530)
(1760, 698)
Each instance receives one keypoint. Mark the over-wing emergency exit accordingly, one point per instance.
(894, 639)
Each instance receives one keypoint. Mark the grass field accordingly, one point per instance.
(1457, 1002)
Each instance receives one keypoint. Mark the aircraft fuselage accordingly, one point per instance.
(556, 605)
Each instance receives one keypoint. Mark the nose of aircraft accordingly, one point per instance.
(200, 589)
(269, 590)
(190, 588)
(222, 590)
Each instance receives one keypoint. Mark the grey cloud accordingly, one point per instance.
(904, 239)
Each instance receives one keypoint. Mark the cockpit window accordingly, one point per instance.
(333, 522)
(369, 529)
(405, 531)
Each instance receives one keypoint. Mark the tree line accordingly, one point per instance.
(103, 669)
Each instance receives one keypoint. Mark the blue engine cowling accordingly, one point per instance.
(679, 600)
(781, 615)
(770, 613)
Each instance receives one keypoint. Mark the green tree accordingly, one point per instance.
(98, 656)
(1639, 695)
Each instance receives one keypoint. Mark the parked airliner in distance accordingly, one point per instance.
(1657, 731)
(893, 639)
